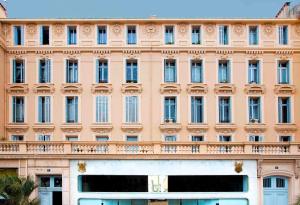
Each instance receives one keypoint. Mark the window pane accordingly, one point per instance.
(45, 71)
(72, 35)
(102, 109)
(253, 72)
(18, 71)
(170, 109)
(253, 35)
(197, 109)
(196, 35)
(283, 72)
(196, 71)
(267, 182)
(18, 109)
(283, 35)
(169, 35)
(224, 110)
(170, 71)
(224, 71)
(72, 71)
(71, 109)
(131, 71)
(102, 35)
(44, 106)
(131, 35)
(102, 71)
(223, 35)
(132, 109)
(254, 110)
(44, 35)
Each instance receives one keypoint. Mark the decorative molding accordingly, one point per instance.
(297, 168)
(170, 127)
(286, 128)
(225, 88)
(18, 53)
(150, 29)
(31, 29)
(259, 168)
(225, 127)
(254, 89)
(132, 127)
(297, 29)
(17, 88)
(182, 28)
(72, 54)
(43, 128)
(285, 89)
(87, 29)
(71, 127)
(131, 88)
(197, 127)
(255, 128)
(170, 88)
(210, 28)
(101, 88)
(131, 53)
(101, 127)
(239, 29)
(196, 54)
(70, 88)
(197, 88)
(170, 54)
(17, 127)
(224, 54)
(268, 29)
(254, 54)
(238, 166)
(102, 53)
(117, 29)
(59, 29)
(44, 53)
(43, 88)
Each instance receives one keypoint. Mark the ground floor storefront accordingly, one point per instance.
(161, 181)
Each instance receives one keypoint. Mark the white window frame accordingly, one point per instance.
(50, 34)
(258, 35)
(229, 35)
(126, 34)
(37, 108)
(139, 120)
(107, 35)
(11, 60)
(230, 62)
(163, 107)
(65, 69)
(11, 108)
(190, 70)
(231, 108)
(108, 108)
(77, 34)
(204, 101)
(174, 34)
(64, 117)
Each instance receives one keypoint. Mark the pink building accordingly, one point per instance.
(153, 111)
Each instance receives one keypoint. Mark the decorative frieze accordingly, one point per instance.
(255, 128)
(197, 88)
(225, 88)
(284, 89)
(132, 127)
(182, 28)
(31, 29)
(71, 88)
(225, 127)
(169, 53)
(285, 128)
(131, 88)
(117, 29)
(131, 53)
(43, 88)
(254, 89)
(197, 127)
(170, 88)
(101, 127)
(19, 88)
(102, 88)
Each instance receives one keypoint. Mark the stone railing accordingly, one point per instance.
(148, 148)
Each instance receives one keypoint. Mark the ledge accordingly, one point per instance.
(224, 88)
(43, 88)
(285, 128)
(285, 89)
(101, 88)
(225, 127)
(70, 88)
(170, 127)
(17, 88)
(17, 127)
(132, 127)
(170, 88)
(101, 127)
(255, 127)
(254, 89)
(197, 127)
(197, 88)
(131, 88)
(71, 127)
(43, 128)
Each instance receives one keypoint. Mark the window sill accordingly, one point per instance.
(132, 127)
(17, 88)
(255, 128)
(197, 127)
(71, 127)
(284, 89)
(225, 127)
(43, 127)
(101, 127)
(170, 88)
(285, 128)
(170, 127)
(17, 127)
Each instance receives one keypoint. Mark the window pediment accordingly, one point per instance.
(71, 88)
(170, 88)
(224, 88)
(17, 88)
(197, 88)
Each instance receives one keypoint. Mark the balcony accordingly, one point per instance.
(101, 88)
(43, 88)
(17, 88)
(253, 89)
(170, 88)
(131, 88)
(71, 88)
(197, 88)
(225, 88)
(284, 89)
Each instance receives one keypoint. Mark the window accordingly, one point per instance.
(102, 138)
(131, 35)
(255, 138)
(45, 71)
(254, 110)
(196, 35)
(223, 35)
(283, 72)
(280, 183)
(170, 138)
(44, 109)
(197, 109)
(72, 109)
(72, 35)
(131, 71)
(131, 138)
(18, 109)
(18, 35)
(44, 35)
(44, 137)
(72, 138)
(267, 182)
(224, 71)
(17, 138)
(72, 71)
(101, 71)
(132, 109)
(18, 71)
(285, 138)
(283, 35)
(225, 138)
(253, 72)
(196, 71)
(224, 110)
(102, 109)
(170, 73)
(169, 35)
(253, 35)
(102, 35)
(284, 110)
(197, 138)
(170, 109)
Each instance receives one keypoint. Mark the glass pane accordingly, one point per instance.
(267, 183)
(280, 183)
(44, 181)
(57, 182)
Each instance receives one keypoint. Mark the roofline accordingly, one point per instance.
(281, 9)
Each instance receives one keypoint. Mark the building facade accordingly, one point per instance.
(152, 111)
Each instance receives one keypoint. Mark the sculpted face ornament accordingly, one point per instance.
(238, 166)
(81, 166)
(117, 29)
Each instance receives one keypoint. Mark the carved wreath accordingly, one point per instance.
(59, 29)
(239, 29)
(31, 28)
(117, 29)
(87, 29)
(268, 29)
(210, 29)
(151, 28)
(182, 28)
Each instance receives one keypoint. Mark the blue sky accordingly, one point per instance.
(143, 8)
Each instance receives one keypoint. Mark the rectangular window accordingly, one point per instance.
(225, 138)
(197, 109)
(196, 71)
(170, 138)
(17, 138)
(72, 109)
(254, 110)
(44, 109)
(18, 35)
(170, 73)
(44, 137)
(44, 71)
(285, 138)
(223, 35)
(170, 110)
(283, 35)
(131, 35)
(132, 115)
(283, 72)
(72, 138)
(169, 35)
(102, 109)
(131, 71)
(284, 110)
(224, 71)
(224, 110)
(18, 109)
(197, 138)
(196, 35)
(44, 35)
(72, 35)
(253, 72)
(102, 138)
(101, 71)
(72, 71)
(131, 138)
(102, 35)
(18, 71)
(253, 35)
(255, 138)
